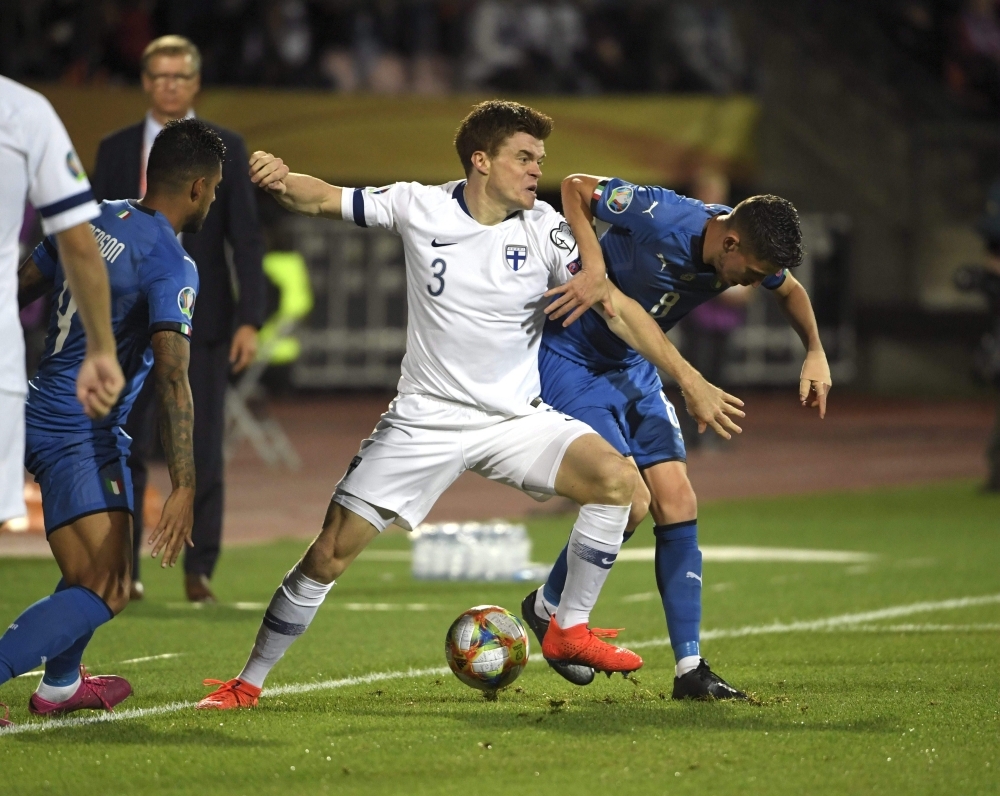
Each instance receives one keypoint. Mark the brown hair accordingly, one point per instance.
(171, 45)
(770, 229)
(491, 123)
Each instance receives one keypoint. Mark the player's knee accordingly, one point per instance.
(615, 481)
(676, 504)
(119, 594)
(114, 587)
(640, 505)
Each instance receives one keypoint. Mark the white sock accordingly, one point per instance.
(543, 608)
(687, 664)
(57, 693)
(593, 548)
(292, 608)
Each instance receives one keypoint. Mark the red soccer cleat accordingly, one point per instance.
(582, 646)
(97, 692)
(229, 695)
(5, 721)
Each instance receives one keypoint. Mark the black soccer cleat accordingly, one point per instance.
(575, 673)
(703, 683)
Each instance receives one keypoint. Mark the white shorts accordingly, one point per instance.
(12, 458)
(422, 444)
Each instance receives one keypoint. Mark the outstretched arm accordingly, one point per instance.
(171, 354)
(100, 379)
(706, 403)
(589, 287)
(815, 376)
(31, 283)
(299, 193)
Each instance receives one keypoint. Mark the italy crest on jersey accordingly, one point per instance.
(517, 256)
(620, 198)
(185, 301)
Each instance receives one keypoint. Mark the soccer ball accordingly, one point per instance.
(486, 647)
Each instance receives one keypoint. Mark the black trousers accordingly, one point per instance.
(209, 377)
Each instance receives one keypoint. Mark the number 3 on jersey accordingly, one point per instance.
(438, 267)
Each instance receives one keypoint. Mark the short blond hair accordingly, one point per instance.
(172, 45)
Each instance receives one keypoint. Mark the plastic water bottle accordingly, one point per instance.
(473, 551)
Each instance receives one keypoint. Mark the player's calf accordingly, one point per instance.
(295, 603)
(95, 552)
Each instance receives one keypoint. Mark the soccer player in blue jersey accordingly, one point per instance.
(669, 253)
(79, 462)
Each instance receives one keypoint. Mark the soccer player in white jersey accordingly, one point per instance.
(39, 164)
(483, 257)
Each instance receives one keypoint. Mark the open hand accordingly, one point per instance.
(174, 528)
(710, 406)
(268, 172)
(99, 383)
(578, 295)
(815, 380)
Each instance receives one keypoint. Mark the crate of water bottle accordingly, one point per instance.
(472, 551)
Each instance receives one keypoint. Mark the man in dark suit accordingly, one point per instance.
(228, 315)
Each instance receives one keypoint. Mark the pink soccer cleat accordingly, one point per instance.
(96, 692)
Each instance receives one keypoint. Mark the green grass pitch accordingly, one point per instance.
(906, 704)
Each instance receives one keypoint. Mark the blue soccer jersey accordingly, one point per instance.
(153, 287)
(79, 463)
(653, 255)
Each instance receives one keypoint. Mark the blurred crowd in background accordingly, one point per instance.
(391, 46)
(436, 46)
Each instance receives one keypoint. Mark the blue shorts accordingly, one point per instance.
(627, 407)
(79, 474)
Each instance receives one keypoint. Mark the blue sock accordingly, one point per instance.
(678, 577)
(48, 628)
(64, 668)
(552, 591)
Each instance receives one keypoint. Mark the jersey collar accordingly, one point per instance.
(141, 208)
(459, 196)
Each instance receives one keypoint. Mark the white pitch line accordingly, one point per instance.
(163, 657)
(756, 554)
(375, 677)
(708, 552)
(174, 707)
(981, 628)
(849, 622)
(100, 718)
(833, 622)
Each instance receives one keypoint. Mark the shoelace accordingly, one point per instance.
(225, 686)
(6, 712)
(84, 677)
(223, 683)
(601, 632)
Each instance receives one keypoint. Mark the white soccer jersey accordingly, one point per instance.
(38, 164)
(474, 292)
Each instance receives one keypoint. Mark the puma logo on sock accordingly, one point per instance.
(692, 575)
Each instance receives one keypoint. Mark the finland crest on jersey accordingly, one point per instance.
(516, 256)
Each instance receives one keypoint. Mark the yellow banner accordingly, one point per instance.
(367, 139)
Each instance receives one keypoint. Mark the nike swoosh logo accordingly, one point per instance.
(609, 561)
(437, 245)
